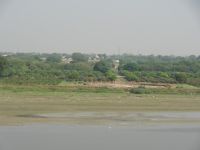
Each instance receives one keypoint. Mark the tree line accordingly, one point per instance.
(23, 68)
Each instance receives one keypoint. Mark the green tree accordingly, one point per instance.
(73, 75)
(181, 77)
(163, 74)
(131, 67)
(81, 66)
(3, 63)
(102, 66)
(54, 58)
(79, 57)
(130, 76)
(111, 76)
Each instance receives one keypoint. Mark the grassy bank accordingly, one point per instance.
(134, 88)
(19, 102)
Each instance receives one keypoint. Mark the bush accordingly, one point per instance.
(130, 76)
(140, 90)
(111, 76)
(181, 77)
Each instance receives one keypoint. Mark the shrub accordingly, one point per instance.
(181, 77)
(140, 90)
(111, 76)
(130, 76)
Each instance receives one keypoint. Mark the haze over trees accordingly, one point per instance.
(34, 68)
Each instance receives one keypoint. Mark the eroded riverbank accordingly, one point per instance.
(120, 118)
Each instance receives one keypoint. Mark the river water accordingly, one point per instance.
(82, 137)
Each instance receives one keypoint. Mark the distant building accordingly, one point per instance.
(94, 59)
(66, 60)
(115, 63)
(43, 58)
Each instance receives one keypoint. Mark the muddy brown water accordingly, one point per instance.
(80, 137)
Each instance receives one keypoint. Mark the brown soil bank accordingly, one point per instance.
(28, 104)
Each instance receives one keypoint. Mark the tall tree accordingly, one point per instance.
(102, 66)
(79, 57)
(3, 62)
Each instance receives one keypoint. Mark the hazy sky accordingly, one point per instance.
(103, 26)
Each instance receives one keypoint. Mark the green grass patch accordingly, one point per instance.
(48, 88)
